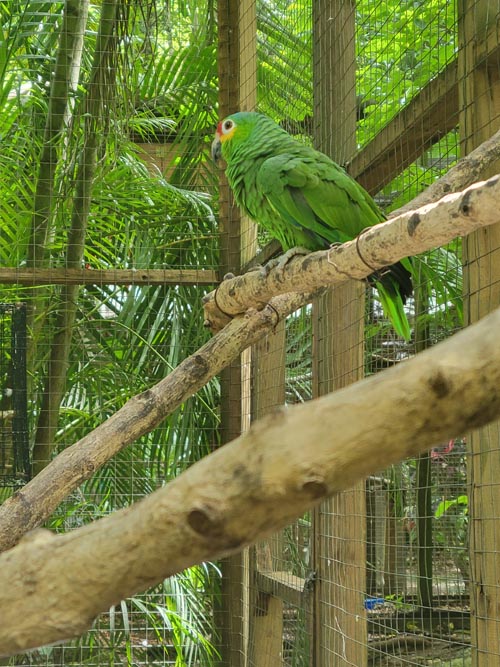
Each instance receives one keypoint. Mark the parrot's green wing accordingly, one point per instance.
(322, 205)
(317, 198)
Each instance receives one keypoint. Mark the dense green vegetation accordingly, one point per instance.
(77, 190)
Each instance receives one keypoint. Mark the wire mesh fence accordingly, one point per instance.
(124, 228)
(14, 427)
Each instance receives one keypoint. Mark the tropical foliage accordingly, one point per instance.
(124, 337)
(105, 165)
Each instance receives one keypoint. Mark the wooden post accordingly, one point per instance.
(339, 530)
(237, 89)
(479, 90)
(266, 610)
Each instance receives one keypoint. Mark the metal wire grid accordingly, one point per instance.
(399, 51)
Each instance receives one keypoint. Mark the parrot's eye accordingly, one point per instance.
(227, 126)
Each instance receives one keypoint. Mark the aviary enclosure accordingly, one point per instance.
(114, 226)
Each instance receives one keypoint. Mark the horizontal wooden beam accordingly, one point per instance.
(429, 116)
(282, 585)
(63, 276)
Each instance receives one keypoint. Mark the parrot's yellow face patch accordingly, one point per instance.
(226, 129)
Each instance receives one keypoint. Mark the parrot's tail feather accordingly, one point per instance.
(392, 302)
(398, 273)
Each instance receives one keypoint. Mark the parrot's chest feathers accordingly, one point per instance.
(243, 182)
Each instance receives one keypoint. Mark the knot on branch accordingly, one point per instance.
(440, 384)
(315, 487)
(465, 203)
(413, 223)
(206, 522)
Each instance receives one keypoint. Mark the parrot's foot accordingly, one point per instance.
(281, 262)
(226, 276)
(263, 270)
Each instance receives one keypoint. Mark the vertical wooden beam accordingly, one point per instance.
(266, 611)
(266, 648)
(394, 547)
(339, 544)
(237, 89)
(229, 615)
(479, 96)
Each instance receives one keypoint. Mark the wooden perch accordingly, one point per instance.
(408, 234)
(468, 170)
(51, 587)
(34, 503)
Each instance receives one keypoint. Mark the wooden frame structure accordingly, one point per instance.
(254, 590)
(261, 589)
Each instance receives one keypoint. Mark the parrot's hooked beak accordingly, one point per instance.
(216, 149)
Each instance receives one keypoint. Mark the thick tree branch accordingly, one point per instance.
(408, 234)
(468, 170)
(52, 587)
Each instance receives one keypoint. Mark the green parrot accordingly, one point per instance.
(303, 198)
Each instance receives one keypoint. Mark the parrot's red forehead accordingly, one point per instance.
(219, 128)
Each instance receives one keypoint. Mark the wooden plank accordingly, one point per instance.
(480, 117)
(64, 276)
(268, 394)
(339, 549)
(429, 116)
(266, 620)
(267, 637)
(282, 585)
(395, 549)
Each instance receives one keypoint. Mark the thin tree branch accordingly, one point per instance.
(408, 234)
(66, 72)
(34, 503)
(73, 24)
(51, 587)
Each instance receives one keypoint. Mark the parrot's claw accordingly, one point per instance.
(281, 262)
